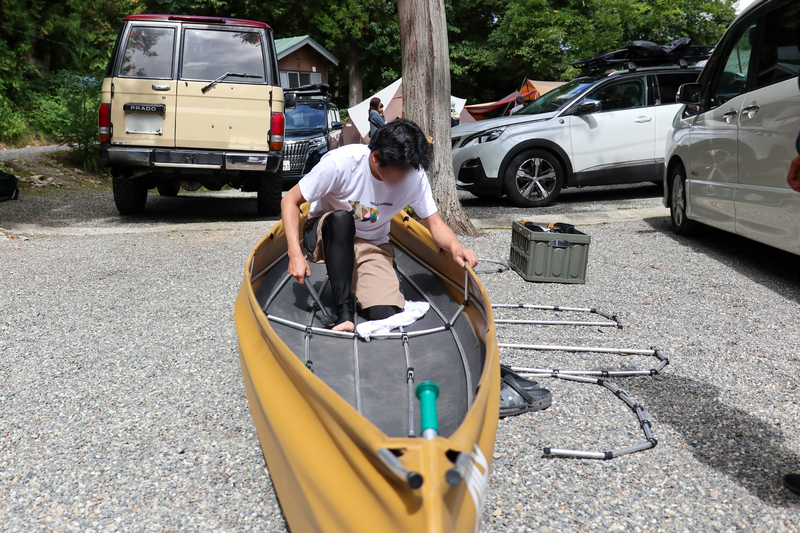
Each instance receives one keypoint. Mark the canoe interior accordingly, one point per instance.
(377, 372)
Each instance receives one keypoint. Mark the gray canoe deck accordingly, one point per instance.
(380, 376)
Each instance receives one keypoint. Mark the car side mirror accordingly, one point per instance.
(689, 93)
(289, 100)
(589, 106)
(336, 126)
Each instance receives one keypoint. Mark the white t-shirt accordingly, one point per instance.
(342, 180)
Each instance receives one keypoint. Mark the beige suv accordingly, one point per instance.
(192, 102)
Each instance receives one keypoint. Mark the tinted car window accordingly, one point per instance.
(779, 57)
(208, 54)
(557, 98)
(148, 53)
(731, 80)
(306, 116)
(627, 93)
(668, 85)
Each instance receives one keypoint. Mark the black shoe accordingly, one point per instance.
(515, 400)
(525, 383)
(792, 482)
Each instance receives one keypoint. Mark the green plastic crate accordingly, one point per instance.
(535, 258)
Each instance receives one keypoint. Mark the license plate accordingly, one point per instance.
(149, 123)
(287, 165)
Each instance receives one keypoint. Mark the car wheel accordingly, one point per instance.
(534, 178)
(168, 189)
(130, 195)
(680, 222)
(269, 194)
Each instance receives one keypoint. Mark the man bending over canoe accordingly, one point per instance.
(354, 192)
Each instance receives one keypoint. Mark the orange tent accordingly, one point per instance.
(530, 90)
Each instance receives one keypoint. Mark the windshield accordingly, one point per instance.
(557, 98)
(306, 116)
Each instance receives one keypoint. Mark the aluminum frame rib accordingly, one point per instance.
(613, 320)
(644, 424)
(449, 326)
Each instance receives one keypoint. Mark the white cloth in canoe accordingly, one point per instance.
(412, 312)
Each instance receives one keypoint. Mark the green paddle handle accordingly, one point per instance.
(427, 392)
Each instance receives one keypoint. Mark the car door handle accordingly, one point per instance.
(730, 115)
(161, 87)
(751, 110)
(641, 120)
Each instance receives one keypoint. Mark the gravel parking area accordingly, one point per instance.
(123, 407)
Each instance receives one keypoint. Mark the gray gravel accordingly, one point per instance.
(575, 200)
(123, 407)
(31, 152)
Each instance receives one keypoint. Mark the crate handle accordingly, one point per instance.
(560, 243)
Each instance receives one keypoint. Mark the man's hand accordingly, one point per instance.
(298, 268)
(464, 255)
(794, 174)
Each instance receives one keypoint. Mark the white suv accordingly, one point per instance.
(730, 147)
(595, 130)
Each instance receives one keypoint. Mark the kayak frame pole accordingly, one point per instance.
(278, 288)
(266, 268)
(502, 268)
(587, 349)
(645, 425)
(615, 321)
(456, 474)
(410, 382)
(356, 368)
(448, 325)
(554, 322)
(398, 470)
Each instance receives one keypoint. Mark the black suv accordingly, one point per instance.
(313, 128)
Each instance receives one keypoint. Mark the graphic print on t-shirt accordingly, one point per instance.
(363, 212)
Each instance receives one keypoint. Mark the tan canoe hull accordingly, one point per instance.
(321, 453)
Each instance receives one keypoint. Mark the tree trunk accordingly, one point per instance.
(426, 98)
(356, 92)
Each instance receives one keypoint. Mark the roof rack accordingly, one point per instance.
(638, 54)
(316, 89)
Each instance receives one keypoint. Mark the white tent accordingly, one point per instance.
(359, 113)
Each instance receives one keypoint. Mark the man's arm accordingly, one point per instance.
(447, 240)
(290, 214)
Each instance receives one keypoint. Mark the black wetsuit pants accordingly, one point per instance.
(338, 232)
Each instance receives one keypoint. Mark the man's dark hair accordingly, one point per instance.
(520, 100)
(401, 143)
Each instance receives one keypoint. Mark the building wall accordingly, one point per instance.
(309, 58)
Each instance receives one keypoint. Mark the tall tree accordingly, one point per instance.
(426, 98)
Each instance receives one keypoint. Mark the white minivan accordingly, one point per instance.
(730, 147)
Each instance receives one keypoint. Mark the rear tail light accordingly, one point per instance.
(276, 129)
(104, 123)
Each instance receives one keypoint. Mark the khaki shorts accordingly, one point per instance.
(375, 280)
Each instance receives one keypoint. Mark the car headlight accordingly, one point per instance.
(316, 142)
(484, 136)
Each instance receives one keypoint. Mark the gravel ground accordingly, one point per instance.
(31, 152)
(123, 407)
(96, 208)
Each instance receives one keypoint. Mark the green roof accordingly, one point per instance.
(286, 46)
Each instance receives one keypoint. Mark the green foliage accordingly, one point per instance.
(539, 38)
(45, 45)
(12, 121)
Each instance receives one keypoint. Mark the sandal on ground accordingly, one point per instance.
(525, 383)
(515, 400)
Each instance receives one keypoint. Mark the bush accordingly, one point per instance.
(12, 121)
(65, 110)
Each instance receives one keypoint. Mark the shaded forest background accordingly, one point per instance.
(53, 53)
